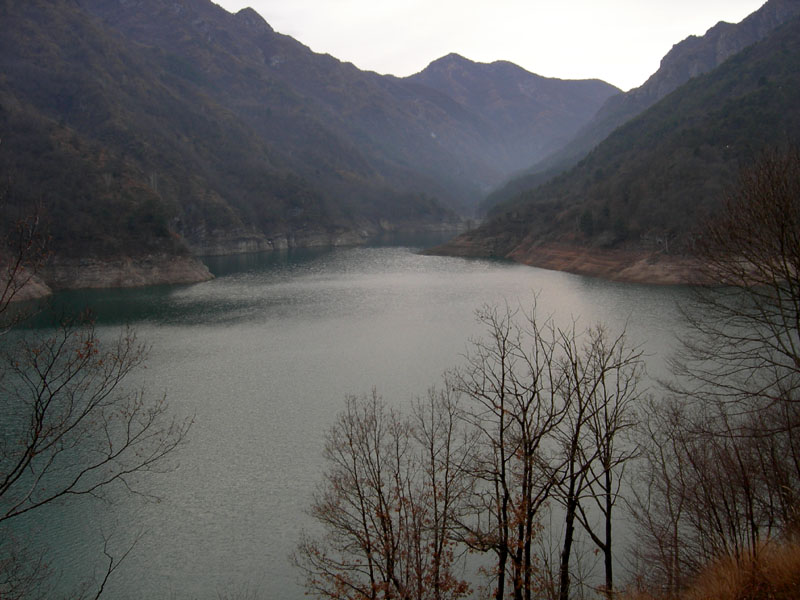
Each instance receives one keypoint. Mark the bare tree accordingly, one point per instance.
(745, 327)
(22, 254)
(388, 503)
(69, 427)
(707, 490)
(548, 403)
(742, 359)
(605, 390)
(722, 462)
(445, 452)
(512, 378)
(658, 501)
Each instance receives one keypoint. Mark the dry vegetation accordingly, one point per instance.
(545, 422)
(773, 573)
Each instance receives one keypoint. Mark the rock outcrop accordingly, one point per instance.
(63, 273)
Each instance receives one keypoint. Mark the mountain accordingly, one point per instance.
(643, 190)
(527, 113)
(692, 57)
(152, 128)
(393, 121)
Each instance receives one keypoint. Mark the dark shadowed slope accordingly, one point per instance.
(691, 57)
(154, 127)
(646, 187)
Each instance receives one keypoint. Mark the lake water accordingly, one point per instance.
(263, 357)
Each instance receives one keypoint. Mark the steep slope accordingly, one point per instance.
(644, 188)
(143, 128)
(687, 59)
(528, 113)
(297, 100)
(124, 157)
(397, 124)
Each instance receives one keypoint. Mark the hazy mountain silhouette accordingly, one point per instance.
(147, 125)
(649, 183)
(527, 114)
(692, 57)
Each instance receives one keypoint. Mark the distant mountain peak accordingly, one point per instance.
(686, 60)
(450, 60)
(456, 60)
(251, 18)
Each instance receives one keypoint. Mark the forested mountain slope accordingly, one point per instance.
(144, 127)
(647, 186)
(691, 57)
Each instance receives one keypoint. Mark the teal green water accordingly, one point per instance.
(263, 356)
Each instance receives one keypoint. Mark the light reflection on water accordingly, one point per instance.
(262, 356)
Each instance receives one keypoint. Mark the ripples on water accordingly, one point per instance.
(263, 356)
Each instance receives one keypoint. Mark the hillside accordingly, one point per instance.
(142, 129)
(127, 147)
(397, 124)
(528, 113)
(643, 190)
(693, 56)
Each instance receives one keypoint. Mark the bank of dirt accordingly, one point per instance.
(630, 266)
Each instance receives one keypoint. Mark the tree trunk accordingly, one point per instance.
(607, 548)
(569, 534)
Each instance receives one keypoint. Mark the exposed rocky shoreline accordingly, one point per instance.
(626, 266)
(249, 242)
(162, 269)
(121, 272)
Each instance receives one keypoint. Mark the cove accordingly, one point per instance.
(262, 357)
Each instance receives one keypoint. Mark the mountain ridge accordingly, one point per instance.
(150, 129)
(638, 197)
(516, 101)
(689, 58)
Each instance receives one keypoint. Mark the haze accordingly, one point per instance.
(620, 41)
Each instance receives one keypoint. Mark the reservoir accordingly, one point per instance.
(262, 358)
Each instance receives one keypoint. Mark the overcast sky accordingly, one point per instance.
(620, 41)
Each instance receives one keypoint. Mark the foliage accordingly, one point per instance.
(771, 572)
(720, 473)
(661, 174)
(69, 428)
(388, 505)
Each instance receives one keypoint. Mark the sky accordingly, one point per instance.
(619, 41)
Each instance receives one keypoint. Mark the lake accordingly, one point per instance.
(263, 357)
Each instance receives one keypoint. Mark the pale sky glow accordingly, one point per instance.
(619, 41)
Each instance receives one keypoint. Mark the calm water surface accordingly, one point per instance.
(263, 356)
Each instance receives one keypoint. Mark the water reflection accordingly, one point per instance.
(263, 356)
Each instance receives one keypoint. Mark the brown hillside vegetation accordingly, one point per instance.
(772, 573)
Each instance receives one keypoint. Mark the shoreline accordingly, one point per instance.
(624, 266)
(639, 266)
(121, 272)
(61, 273)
